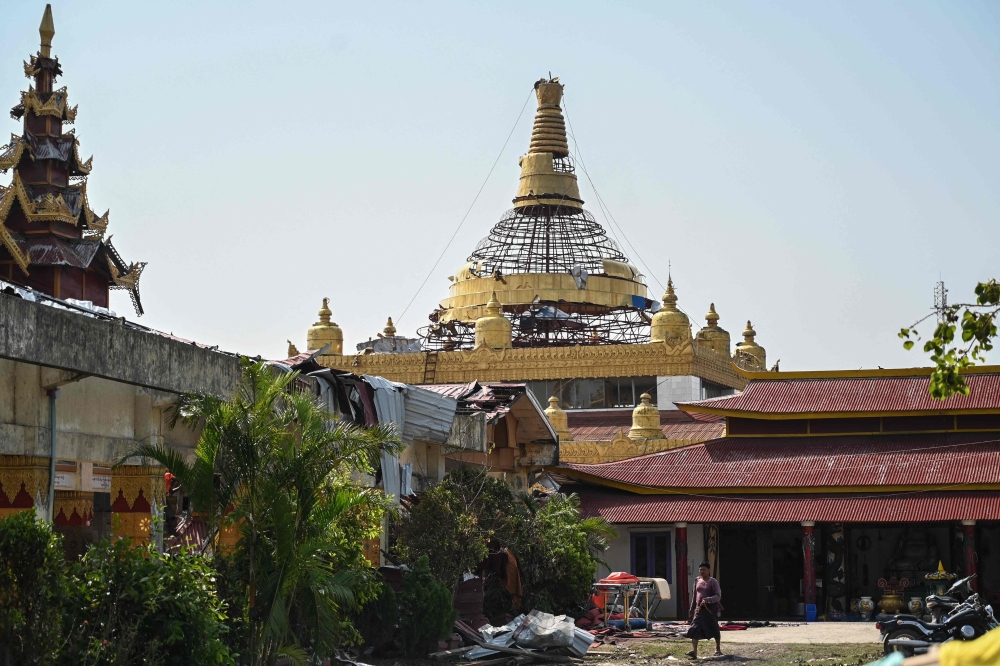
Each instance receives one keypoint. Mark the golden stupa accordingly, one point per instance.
(547, 298)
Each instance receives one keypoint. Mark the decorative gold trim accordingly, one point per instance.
(126, 280)
(57, 105)
(527, 364)
(619, 448)
(130, 479)
(70, 500)
(32, 471)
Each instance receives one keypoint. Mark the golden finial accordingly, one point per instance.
(325, 313)
(389, 331)
(712, 317)
(749, 333)
(292, 349)
(47, 30)
(670, 298)
(493, 305)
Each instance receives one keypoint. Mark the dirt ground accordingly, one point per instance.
(664, 653)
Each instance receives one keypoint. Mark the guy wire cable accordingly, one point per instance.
(466, 216)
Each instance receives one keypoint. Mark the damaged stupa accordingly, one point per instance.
(50, 238)
(548, 299)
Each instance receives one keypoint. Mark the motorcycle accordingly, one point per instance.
(959, 620)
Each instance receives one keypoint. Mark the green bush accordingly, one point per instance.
(32, 589)
(425, 609)
(470, 514)
(131, 605)
(377, 620)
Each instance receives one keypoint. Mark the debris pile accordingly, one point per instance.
(536, 636)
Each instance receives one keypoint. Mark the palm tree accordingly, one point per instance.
(275, 464)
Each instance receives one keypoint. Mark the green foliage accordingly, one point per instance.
(560, 563)
(470, 514)
(32, 590)
(977, 322)
(377, 620)
(425, 609)
(131, 605)
(274, 463)
(119, 605)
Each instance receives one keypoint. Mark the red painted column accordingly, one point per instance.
(683, 602)
(969, 542)
(809, 561)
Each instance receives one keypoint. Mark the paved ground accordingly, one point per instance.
(813, 632)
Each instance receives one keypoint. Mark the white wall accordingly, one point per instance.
(676, 389)
(619, 557)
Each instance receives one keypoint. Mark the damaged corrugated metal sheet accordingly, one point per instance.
(799, 462)
(868, 394)
(887, 508)
(429, 415)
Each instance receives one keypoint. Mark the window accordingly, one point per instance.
(613, 392)
(651, 555)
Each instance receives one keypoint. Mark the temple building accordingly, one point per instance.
(826, 488)
(548, 299)
(50, 238)
(79, 386)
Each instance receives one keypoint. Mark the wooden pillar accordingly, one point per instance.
(809, 562)
(969, 546)
(681, 538)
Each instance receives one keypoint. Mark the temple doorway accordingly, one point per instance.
(761, 568)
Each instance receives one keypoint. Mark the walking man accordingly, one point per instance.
(705, 608)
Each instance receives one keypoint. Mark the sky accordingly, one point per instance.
(813, 167)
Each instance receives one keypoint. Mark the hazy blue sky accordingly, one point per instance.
(814, 167)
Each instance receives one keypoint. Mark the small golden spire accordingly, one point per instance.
(749, 333)
(559, 420)
(389, 331)
(47, 30)
(325, 312)
(712, 317)
(493, 305)
(670, 298)
(292, 349)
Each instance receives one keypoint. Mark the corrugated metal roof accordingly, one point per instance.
(888, 508)
(428, 415)
(868, 394)
(813, 462)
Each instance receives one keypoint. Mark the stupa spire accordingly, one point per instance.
(547, 173)
(47, 30)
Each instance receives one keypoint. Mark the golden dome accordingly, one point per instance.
(749, 354)
(645, 420)
(325, 332)
(493, 329)
(713, 336)
(670, 323)
(557, 417)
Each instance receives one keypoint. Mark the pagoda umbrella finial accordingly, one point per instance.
(47, 30)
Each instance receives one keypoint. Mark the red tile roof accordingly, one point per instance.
(853, 508)
(809, 462)
(605, 424)
(850, 395)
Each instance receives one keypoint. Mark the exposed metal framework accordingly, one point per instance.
(546, 239)
(544, 325)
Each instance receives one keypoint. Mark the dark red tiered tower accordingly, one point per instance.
(50, 239)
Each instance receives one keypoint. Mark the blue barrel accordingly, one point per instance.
(810, 612)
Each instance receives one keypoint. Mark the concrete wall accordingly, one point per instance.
(676, 389)
(97, 420)
(47, 336)
(619, 556)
